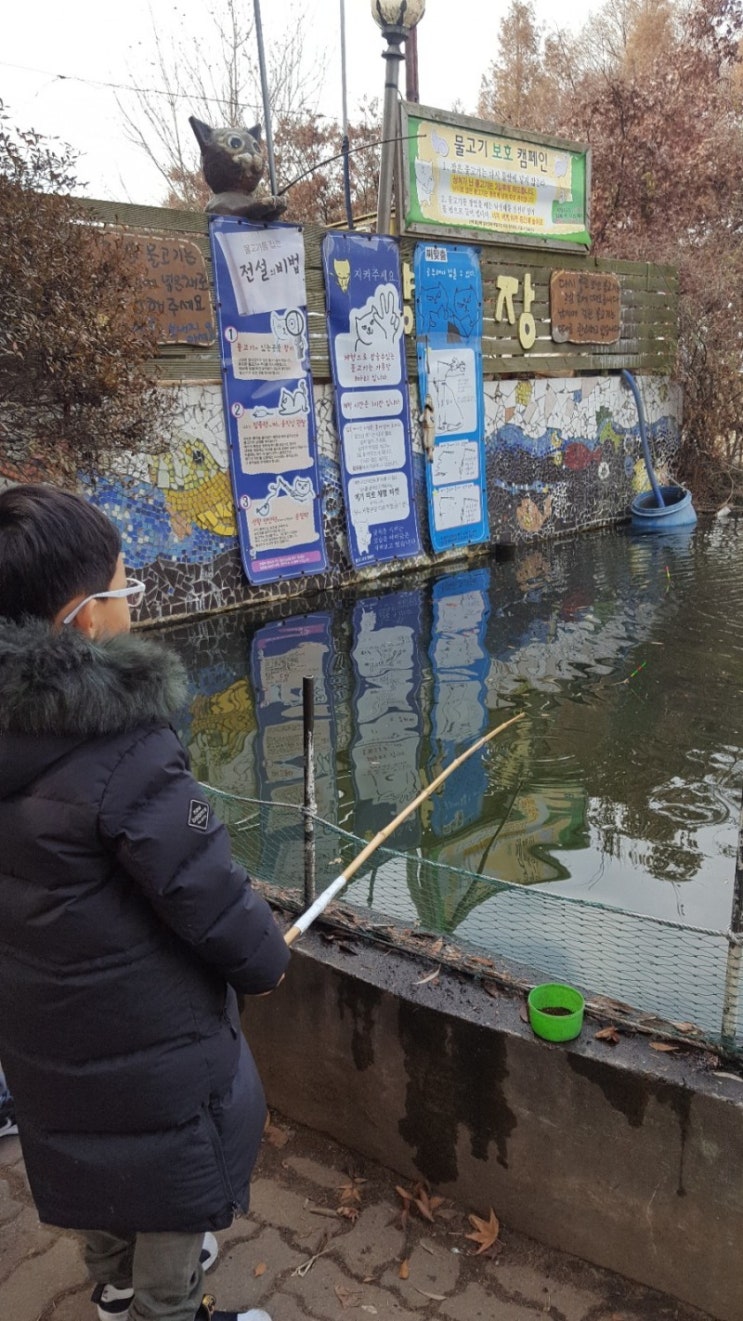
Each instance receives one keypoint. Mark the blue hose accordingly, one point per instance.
(629, 380)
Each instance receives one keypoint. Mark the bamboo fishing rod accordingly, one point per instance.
(322, 901)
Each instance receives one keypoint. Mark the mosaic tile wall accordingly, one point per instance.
(562, 454)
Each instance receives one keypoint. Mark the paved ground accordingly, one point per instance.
(327, 1239)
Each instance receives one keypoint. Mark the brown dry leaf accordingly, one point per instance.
(437, 1297)
(350, 1192)
(686, 1027)
(486, 1231)
(609, 1034)
(437, 946)
(524, 1014)
(427, 1205)
(349, 1213)
(347, 1297)
(260, 1269)
(278, 1137)
(405, 1194)
(662, 1045)
(430, 978)
(404, 1270)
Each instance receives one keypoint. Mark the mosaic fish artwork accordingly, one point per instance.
(197, 490)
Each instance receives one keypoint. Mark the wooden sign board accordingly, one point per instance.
(176, 298)
(585, 308)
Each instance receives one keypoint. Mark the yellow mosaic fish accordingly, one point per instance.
(197, 491)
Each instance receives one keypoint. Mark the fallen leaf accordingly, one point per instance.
(486, 1231)
(663, 1045)
(349, 1213)
(260, 1269)
(437, 947)
(524, 1014)
(686, 1027)
(427, 1205)
(404, 1270)
(406, 1196)
(436, 1297)
(492, 989)
(277, 1137)
(347, 1297)
(430, 978)
(609, 1034)
(350, 1192)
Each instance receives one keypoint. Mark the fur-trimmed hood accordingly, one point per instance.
(62, 689)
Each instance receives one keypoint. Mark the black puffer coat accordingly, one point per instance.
(125, 931)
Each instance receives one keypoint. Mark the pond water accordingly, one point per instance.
(621, 785)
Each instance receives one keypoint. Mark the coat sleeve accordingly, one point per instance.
(156, 818)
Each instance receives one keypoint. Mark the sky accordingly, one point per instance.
(57, 55)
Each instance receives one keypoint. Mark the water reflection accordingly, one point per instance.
(623, 782)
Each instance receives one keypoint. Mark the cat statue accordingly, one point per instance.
(232, 162)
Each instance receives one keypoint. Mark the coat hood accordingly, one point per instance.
(62, 689)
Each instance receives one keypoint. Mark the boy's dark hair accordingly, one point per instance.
(53, 545)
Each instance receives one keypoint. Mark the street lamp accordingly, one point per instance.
(396, 18)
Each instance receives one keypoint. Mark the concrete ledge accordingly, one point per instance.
(625, 1157)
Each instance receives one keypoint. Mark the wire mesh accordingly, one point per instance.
(653, 969)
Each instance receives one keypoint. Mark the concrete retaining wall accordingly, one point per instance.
(624, 1156)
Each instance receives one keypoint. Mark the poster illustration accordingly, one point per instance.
(269, 402)
(460, 175)
(365, 332)
(448, 311)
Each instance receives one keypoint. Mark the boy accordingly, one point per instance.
(125, 928)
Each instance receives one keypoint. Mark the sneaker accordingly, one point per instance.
(8, 1126)
(113, 1304)
(210, 1312)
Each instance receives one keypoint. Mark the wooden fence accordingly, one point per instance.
(649, 306)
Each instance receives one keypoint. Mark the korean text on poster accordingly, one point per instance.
(448, 312)
(461, 175)
(268, 397)
(363, 293)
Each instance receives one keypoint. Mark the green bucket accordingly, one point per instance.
(556, 1011)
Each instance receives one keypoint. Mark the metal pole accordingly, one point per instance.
(735, 947)
(344, 142)
(264, 94)
(392, 56)
(412, 92)
(310, 802)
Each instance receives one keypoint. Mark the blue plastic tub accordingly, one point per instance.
(677, 510)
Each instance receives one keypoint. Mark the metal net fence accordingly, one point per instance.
(657, 974)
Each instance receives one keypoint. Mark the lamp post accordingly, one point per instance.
(396, 18)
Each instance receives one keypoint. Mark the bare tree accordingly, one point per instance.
(215, 76)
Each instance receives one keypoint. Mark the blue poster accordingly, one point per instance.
(367, 358)
(448, 316)
(268, 397)
(460, 663)
(385, 752)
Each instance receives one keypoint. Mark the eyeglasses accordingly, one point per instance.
(134, 590)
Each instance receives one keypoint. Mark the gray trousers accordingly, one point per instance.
(163, 1270)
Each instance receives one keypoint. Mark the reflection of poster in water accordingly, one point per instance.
(448, 309)
(386, 749)
(460, 665)
(362, 289)
(282, 654)
(269, 404)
